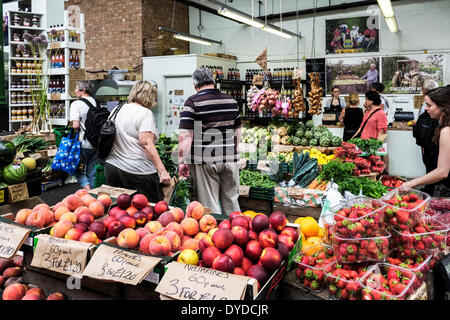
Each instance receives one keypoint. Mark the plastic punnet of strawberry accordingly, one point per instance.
(359, 217)
(311, 268)
(343, 280)
(441, 205)
(428, 235)
(384, 281)
(408, 200)
(351, 250)
(420, 264)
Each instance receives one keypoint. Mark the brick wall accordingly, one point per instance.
(115, 30)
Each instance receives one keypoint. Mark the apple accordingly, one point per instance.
(253, 250)
(268, 238)
(271, 258)
(278, 220)
(223, 263)
(236, 254)
(188, 256)
(260, 223)
(240, 235)
(209, 254)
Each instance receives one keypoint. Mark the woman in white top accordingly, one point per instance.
(335, 104)
(133, 162)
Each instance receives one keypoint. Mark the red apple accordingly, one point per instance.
(124, 201)
(260, 222)
(268, 238)
(222, 238)
(253, 250)
(225, 224)
(271, 258)
(240, 221)
(223, 263)
(209, 254)
(139, 201)
(240, 235)
(278, 220)
(236, 254)
(115, 228)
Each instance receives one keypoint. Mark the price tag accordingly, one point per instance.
(27, 90)
(55, 45)
(242, 163)
(258, 80)
(282, 148)
(116, 264)
(264, 165)
(113, 192)
(244, 191)
(18, 192)
(55, 96)
(36, 156)
(297, 73)
(20, 155)
(188, 282)
(51, 152)
(60, 255)
(11, 239)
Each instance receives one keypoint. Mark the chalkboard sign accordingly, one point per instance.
(316, 65)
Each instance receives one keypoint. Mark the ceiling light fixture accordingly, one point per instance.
(388, 13)
(190, 37)
(277, 32)
(392, 24)
(240, 17)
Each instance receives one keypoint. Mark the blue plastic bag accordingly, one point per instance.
(68, 155)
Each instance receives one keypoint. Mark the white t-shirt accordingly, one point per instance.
(127, 154)
(78, 112)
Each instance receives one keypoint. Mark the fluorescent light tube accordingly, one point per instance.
(276, 32)
(190, 39)
(386, 8)
(392, 24)
(239, 17)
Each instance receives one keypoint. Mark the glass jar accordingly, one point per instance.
(35, 21)
(16, 19)
(16, 37)
(30, 112)
(13, 98)
(26, 22)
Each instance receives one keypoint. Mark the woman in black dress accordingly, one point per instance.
(336, 103)
(351, 116)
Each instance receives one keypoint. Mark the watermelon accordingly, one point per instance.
(7, 152)
(15, 172)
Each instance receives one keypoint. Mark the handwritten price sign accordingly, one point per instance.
(11, 239)
(112, 263)
(60, 255)
(188, 282)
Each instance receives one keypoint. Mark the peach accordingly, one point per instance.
(37, 291)
(123, 201)
(195, 210)
(56, 296)
(86, 218)
(99, 228)
(240, 221)
(236, 254)
(22, 215)
(115, 227)
(225, 224)
(73, 234)
(81, 192)
(89, 237)
(49, 216)
(222, 238)
(60, 211)
(105, 199)
(87, 200)
(149, 211)
(246, 264)
(270, 258)
(60, 229)
(166, 218)
(178, 214)
(185, 238)
(278, 220)
(286, 240)
(131, 210)
(36, 219)
(161, 207)
(268, 238)
(223, 263)
(207, 222)
(128, 238)
(113, 211)
(260, 223)
(12, 272)
(128, 221)
(200, 235)
(142, 232)
(160, 231)
(41, 206)
(190, 226)
(211, 232)
(290, 232)
(107, 221)
(139, 201)
(97, 209)
(190, 244)
(72, 202)
(174, 239)
(152, 226)
(240, 235)
(174, 226)
(80, 210)
(56, 206)
(239, 271)
(31, 296)
(69, 216)
(144, 244)
(15, 291)
(160, 246)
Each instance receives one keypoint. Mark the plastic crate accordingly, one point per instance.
(60, 133)
(262, 193)
(396, 257)
(99, 176)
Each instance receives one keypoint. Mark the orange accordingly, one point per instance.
(312, 245)
(309, 227)
(321, 233)
(299, 220)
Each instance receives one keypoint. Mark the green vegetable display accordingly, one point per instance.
(181, 195)
(165, 146)
(369, 146)
(336, 170)
(305, 169)
(31, 144)
(255, 179)
(369, 188)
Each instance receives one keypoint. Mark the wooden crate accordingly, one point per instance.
(256, 205)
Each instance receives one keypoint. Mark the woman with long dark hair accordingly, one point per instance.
(438, 107)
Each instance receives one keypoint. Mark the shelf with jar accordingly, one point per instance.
(23, 19)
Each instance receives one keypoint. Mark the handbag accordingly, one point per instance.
(365, 122)
(68, 155)
(108, 135)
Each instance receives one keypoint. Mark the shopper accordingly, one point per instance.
(372, 75)
(335, 103)
(351, 116)
(134, 162)
(210, 131)
(378, 87)
(374, 123)
(423, 131)
(438, 107)
(86, 171)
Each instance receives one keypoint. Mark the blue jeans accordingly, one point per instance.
(87, 176)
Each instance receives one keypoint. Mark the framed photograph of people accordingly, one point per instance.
(407, 73)
(352, 35)
(352, 74)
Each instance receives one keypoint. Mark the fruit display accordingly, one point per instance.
(251, 93)
(322, 158)
(315, 94)
(363, 166)
(438, 206)
(384, 281)
(312, 268)
(343, 280)
(11, 271)
(8, 152)
(391, 182)
(15, 172)
(41, 216)
(298, 104)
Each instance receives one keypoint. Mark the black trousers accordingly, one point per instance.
(147, 184)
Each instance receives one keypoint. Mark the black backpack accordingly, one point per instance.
(424, 130)
(95, 119)
(108, 134)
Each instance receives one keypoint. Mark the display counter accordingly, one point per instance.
(405, 157)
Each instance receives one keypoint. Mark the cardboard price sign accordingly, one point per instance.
(55, 96)
(113, 192)
(55, 45)
(264, 165)
(187, 282)
(11, 239)
(60, 255)
(115, 264)
(282, 148)
(244, 191)
(297, 73)
(18, 192)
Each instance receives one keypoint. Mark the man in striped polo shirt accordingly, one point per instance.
(210, 131)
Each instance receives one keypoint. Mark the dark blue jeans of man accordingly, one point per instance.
(87, 176)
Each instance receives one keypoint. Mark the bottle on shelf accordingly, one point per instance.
(76, 63)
